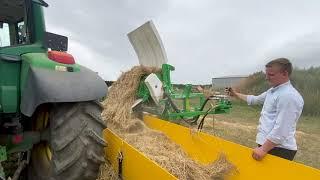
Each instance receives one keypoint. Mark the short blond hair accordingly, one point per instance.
(283, 63)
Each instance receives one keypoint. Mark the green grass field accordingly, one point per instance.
(240, 125)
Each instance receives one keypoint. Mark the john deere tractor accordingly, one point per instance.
(50, 117)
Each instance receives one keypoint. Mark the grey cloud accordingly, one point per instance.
(102, 25)
(303, 51)
(203, 39)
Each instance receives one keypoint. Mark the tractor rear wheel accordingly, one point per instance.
(75, 149)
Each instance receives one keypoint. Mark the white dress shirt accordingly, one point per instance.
(282, 107)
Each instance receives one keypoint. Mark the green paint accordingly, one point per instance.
(143, 91)
(9, 86)
(3, 153)
(9, 98)
(166, 79)
(38, 20)
(186, 99)
(3, 157)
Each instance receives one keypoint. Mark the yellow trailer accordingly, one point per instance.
(129, 163)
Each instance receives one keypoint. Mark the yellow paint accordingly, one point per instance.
(135, 164)
(205, 148)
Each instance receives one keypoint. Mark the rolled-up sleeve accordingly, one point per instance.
(251, 99)
(288, 111)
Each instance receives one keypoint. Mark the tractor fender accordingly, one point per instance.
(50, 86)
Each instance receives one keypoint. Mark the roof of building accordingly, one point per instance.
(234, 76)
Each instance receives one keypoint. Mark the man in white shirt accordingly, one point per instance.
(282, 107)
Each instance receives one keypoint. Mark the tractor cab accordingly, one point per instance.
(14, 29)
(17, 22)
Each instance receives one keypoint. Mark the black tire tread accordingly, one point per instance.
(76, 141)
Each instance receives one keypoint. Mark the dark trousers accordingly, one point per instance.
(283, 153)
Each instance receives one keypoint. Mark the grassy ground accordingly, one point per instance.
(240, 126)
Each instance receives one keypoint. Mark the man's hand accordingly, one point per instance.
(230, 91)
(258, 153)
(227, 90)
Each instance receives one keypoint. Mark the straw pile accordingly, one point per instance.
(152, 143)
(107, 172)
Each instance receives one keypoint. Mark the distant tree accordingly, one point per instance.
(306, 81)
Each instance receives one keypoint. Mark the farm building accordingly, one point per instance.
(227, 81)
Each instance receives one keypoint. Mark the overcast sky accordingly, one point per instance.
(202, 38)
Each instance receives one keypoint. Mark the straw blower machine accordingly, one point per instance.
(156, 93)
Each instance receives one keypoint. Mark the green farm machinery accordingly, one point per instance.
(157, 96)
(50, 118)
(156, 93)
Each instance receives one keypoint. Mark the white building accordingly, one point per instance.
(227, 81)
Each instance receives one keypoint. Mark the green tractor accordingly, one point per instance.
(50, 116)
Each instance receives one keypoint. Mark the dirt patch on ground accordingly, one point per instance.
(301, 134)
(236, 126)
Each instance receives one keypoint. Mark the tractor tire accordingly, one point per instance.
(76, 147)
